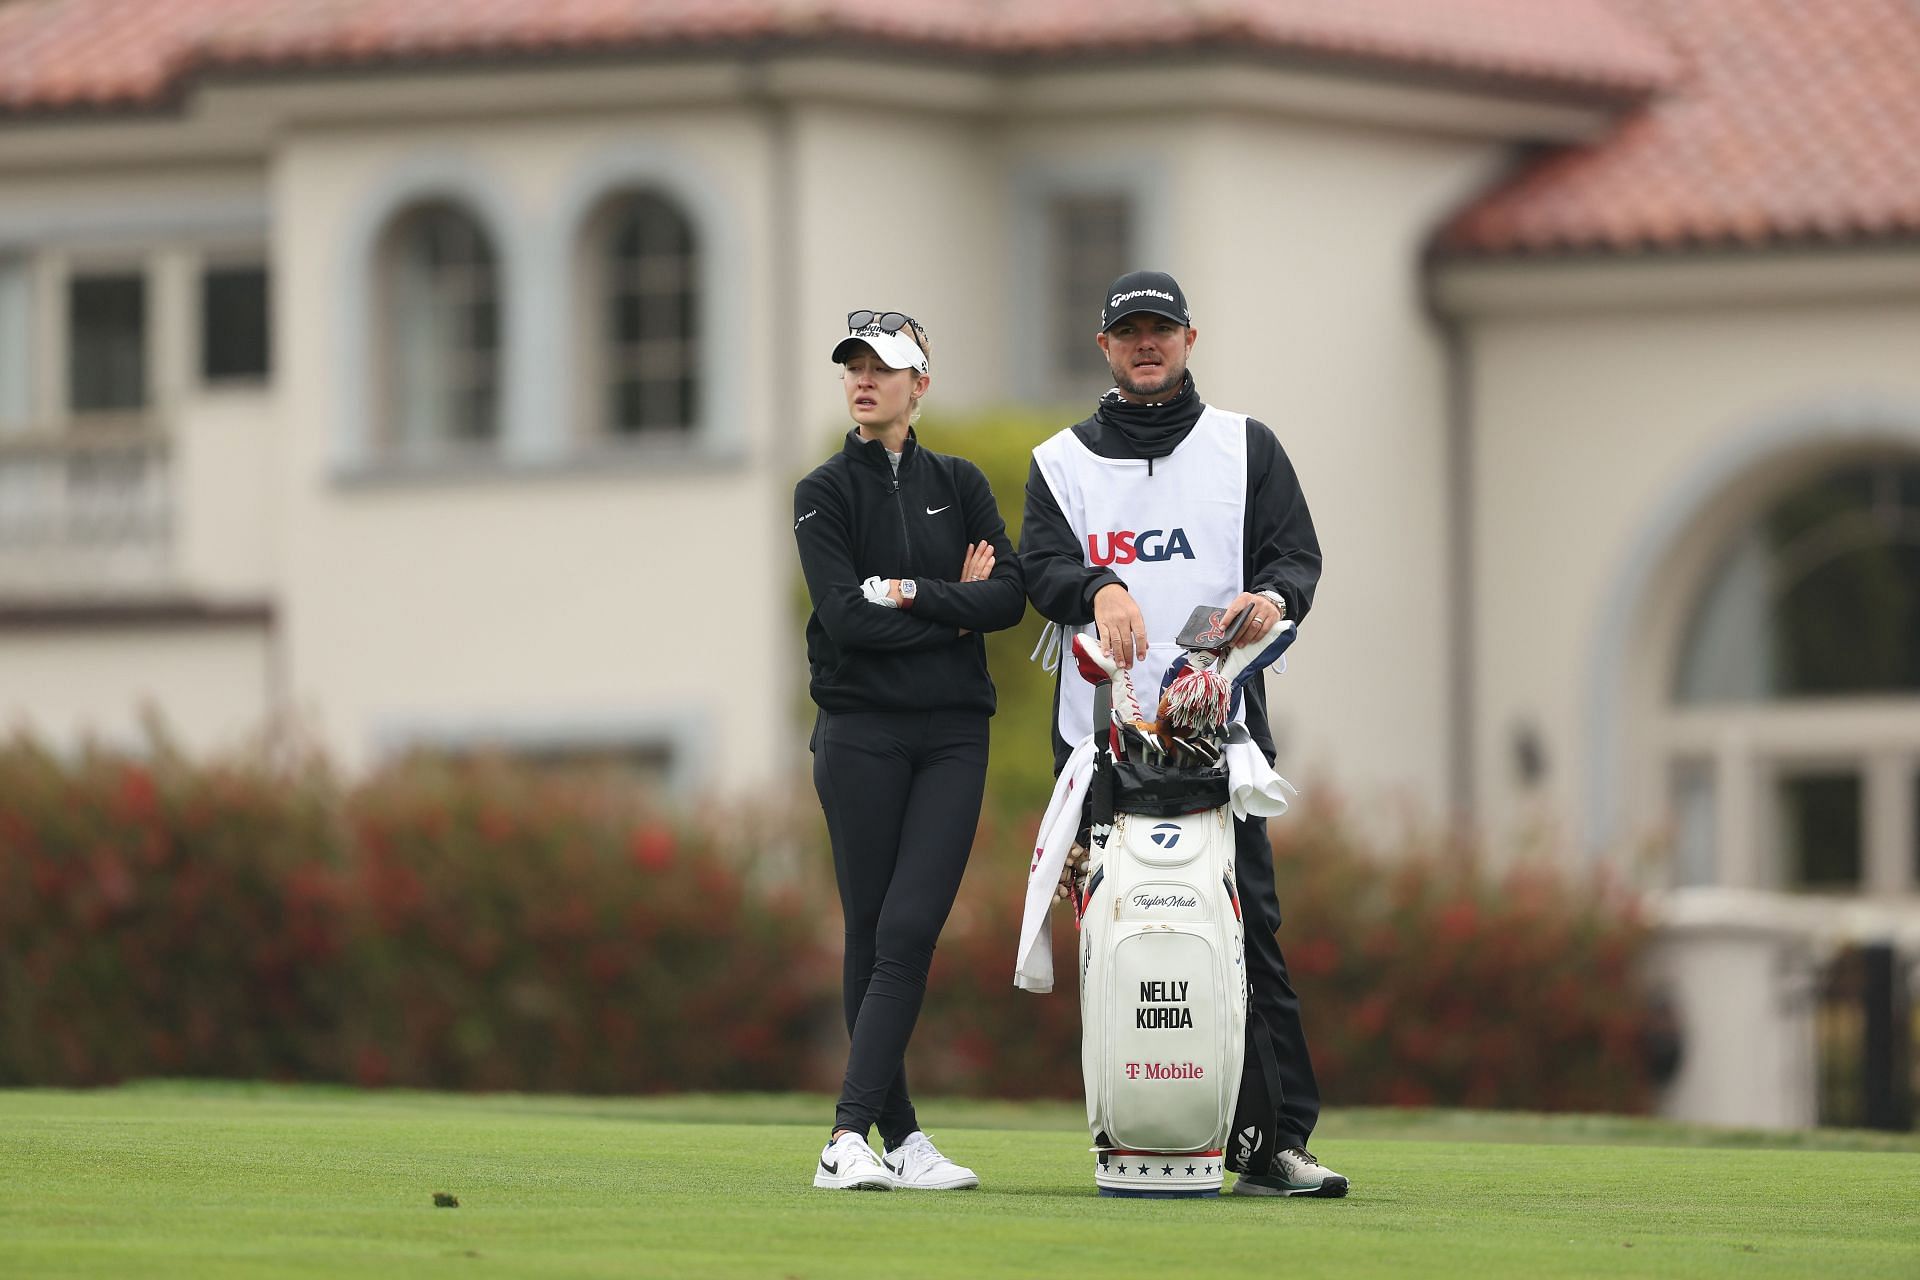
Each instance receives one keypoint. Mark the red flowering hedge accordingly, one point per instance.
(472, 926)
(1425, 981)
(490, 927)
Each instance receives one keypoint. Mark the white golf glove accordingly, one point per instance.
(875, 590)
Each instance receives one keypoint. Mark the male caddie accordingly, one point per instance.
(1157, 503)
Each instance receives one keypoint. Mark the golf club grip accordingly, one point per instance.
(1100, 794)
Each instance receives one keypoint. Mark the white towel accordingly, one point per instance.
(1254, 789)
(1058, 826)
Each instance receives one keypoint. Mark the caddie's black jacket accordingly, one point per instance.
(1282, 551)
(853, 520)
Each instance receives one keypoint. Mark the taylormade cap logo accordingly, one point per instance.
(1153, 291)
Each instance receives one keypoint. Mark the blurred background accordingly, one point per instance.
(399, 407)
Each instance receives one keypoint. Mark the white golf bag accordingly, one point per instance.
(1163, 980)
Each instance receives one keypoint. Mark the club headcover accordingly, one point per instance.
(1198, 700)
(1096, 666)
(1242, 664)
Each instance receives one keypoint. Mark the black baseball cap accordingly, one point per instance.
(1154, 291)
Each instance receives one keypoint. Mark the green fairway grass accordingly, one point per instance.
(234, 1180)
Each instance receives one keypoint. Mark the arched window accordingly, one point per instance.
(440, 336)
(1793, 722)
(644, 265)
(1819, 596)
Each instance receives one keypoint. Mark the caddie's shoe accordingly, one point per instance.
(1295, 1173)
(919, 1166)
(848, 1164)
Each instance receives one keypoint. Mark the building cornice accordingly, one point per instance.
(132, 613)
(1479, 289)
(238, 115)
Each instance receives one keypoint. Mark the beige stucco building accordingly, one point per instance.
(548, 306)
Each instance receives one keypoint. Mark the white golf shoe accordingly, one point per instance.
(919, 1166)
(848, 1164)
(1295, 1173)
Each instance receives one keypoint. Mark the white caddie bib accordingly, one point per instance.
(1174, 536)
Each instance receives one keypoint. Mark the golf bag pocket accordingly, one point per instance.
(1168, 1056)
(1169, 842)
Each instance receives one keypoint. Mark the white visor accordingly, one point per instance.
(896, 350)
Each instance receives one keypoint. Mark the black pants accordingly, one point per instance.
(901, 790)
(1279, 1100)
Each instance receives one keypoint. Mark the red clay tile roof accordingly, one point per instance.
(78, 55)
(1796, 122)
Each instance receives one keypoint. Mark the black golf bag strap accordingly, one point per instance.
(1258, 1107)
(1100, 794)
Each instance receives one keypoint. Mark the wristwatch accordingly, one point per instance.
(908, 590)
(1279, 601)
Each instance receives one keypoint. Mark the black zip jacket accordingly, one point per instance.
(853, 519)
(1282, 552)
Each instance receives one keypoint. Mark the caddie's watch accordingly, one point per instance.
(908, 590)
(1279, 601)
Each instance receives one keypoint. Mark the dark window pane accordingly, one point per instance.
(483, 322)
(473, 409)
(662, 317)
(107, 342)
(626, 318)
(660, 404)
(234, 315)
(1852, 625)
(1820, 831)
(626, 405)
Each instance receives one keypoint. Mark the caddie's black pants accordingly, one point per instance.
(901, 791)
(1279, 1099)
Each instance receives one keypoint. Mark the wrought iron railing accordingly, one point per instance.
(86, 509)
(1865, 1027)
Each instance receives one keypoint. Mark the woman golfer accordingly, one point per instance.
(907, 562)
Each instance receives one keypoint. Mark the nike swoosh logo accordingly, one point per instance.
(934, 511)
(833, 1169)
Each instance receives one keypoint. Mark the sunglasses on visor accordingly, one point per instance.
(884, 321)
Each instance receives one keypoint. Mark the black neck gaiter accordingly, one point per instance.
(1153, 430)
